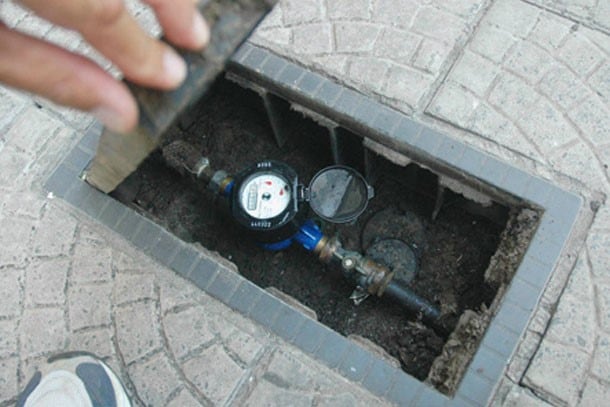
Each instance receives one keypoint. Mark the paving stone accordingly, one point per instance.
(214, 373)
(371, 72)
(45, 282)
(604, 157)
(491, 42)
(574, 322)
(133, 287)
(601, 39)
(580, 284)
(39, 128)
(48, 157)
(13, 163)
(245, 346)
(177, 293)
(355, 37)
(10, 105)
(348, 9)
(8, 378)
(513, 16)
(601, 358)
(580, 8)
(137, 330)
(184, 399)
(398, 13)
(42, 330)
(87, 232)
(123, 262)
(407, 85)
(464, 8)
(602, 14)
(24, 204)
(595, 393)
(453, 104)
(431, 56)
(312, 39)
(559, 370)
(155, 379)
(581, 163)
(267, 393)
(563, 87)
(92, 262)
(189, 329)
(593, 117)
(438, 24)
(474, 72)
(89, 305)
(14, 245)
(550, 31)
(520, 397)
(492, 125)
(602, 220)
(599, 81)
(397, 45)
(513, 96)
(297, 374)
(529, 61)
(11, 292)
(546, 126)
(279, 36)
(54, 234)
(580, 54)
(8, 339)
(75, 118)
(598, 243)
(602, 293)
(274, 18)
(97, 341)
(341, 400)
(301, 11)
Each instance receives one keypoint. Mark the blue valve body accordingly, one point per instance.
(308, 236)
(228, 189)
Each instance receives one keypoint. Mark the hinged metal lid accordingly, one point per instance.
(338, 194)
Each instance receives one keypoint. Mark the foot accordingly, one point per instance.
(74, 379)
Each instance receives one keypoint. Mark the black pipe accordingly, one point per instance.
(413, 302)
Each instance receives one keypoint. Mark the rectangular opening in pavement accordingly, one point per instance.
(471, 240)
(436, 234)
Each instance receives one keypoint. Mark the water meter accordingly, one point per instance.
(271, 205)
(268, 200)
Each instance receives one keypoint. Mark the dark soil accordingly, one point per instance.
(452, 252)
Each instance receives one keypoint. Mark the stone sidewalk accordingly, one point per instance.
(526, 81)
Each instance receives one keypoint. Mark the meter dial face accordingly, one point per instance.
(265, 196)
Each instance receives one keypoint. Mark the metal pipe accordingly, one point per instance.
(413, 302)
(373, 278)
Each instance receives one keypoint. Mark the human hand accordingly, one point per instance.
(72, 80)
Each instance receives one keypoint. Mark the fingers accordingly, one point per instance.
(108, 27)
(181, 22)
(65, 78)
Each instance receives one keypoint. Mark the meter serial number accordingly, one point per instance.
(260, 224)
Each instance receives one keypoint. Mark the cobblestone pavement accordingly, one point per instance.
(528, 81)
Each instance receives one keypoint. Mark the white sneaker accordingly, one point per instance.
(75, 379)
